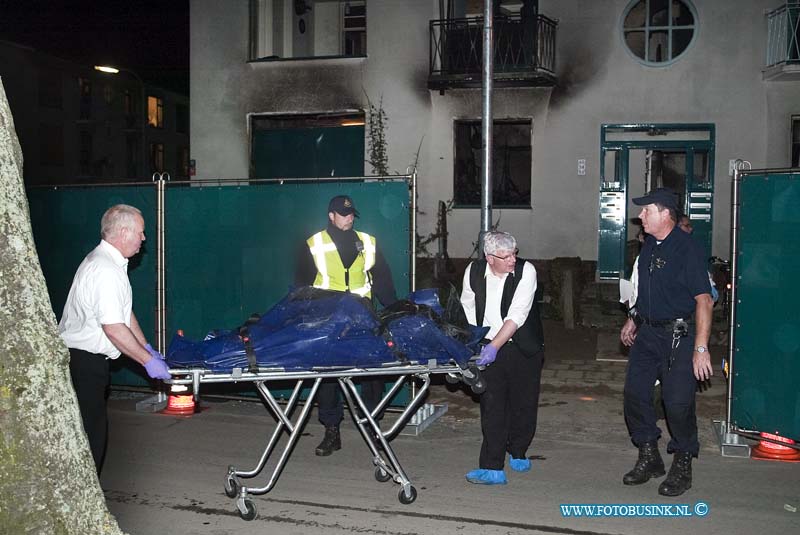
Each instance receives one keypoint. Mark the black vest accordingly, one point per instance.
(530, 335)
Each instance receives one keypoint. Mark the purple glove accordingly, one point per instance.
(157, 368)
(155, 354)
(488, 354)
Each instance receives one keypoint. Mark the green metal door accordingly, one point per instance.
(684, 156)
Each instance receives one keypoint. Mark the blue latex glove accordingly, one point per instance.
(153, 353)
(157, 368)
(488, 354)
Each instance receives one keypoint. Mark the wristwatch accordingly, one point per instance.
(701, 349)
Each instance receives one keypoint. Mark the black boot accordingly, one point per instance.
(679, 479)
(648, 465)
(332, 442)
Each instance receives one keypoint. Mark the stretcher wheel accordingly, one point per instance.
(250, 511)
(406, 499)
(231, 488)
(452, 379)
(479, 386)
(382, 475)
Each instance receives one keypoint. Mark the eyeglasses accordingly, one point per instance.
(514, 254)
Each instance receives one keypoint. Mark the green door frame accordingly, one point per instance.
(614, 202)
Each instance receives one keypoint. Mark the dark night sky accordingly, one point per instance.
(150, 37)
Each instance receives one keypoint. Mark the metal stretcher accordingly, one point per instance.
(387, 466)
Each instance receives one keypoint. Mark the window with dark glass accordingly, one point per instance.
(51, 144)
(354, 24)
(182, 165)
(157, 157)
(511, 163)
(85, 91)
(129, 108)
(280, 29)
(155, 112)
(181, 119)
(658, 31)
(85, 153)
(133, 154)
(50, 92)
(795, 141)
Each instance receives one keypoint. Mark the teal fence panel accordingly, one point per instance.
(766, 396)
(230, 250)
(66, 227)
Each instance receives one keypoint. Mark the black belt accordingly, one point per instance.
(83, 351)
(663, 323)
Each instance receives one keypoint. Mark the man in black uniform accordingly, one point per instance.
(498, 292)
(343, 259)
(669, 340)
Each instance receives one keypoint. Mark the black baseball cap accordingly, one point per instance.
(342, 205)
(666, 197)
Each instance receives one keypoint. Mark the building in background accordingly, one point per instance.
(594, 103)
(77, 125)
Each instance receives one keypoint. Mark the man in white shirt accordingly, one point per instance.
(498, 292)
(98, 322)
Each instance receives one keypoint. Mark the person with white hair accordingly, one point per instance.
(498, 292)
(98, 323)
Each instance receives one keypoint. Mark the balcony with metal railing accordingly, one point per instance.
(783, 43)
(524, 52)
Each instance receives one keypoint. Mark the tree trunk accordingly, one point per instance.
(48, 483)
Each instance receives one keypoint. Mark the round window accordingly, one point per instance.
(657, 32)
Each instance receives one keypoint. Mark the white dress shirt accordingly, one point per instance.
(100, 295)
(520, 304)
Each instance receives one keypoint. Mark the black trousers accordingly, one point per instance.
(331, 406)
(510, 405)
(649, 360)
(90, 379)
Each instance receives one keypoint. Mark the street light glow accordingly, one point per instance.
(106, 68)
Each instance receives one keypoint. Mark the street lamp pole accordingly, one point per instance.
(142, 113)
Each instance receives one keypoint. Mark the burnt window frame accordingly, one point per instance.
(470, 180)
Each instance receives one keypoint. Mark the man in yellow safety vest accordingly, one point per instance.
(345, 260)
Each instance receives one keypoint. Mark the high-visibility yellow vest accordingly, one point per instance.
(331, 273)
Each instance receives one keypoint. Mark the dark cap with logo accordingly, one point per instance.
(342, 205)
(663, 196)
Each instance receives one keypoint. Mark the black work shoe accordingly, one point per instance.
(332, 442)
(679, 479)
(649, 464)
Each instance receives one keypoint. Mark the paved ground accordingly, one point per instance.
(165, 474)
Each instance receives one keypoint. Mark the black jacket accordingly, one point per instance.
(530, 335)
(345, 241)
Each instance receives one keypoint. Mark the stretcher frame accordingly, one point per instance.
(387, 465)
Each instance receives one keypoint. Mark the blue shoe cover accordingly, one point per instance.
(519, 465)
(487, 477)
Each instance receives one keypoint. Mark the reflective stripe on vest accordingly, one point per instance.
(331, 273)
